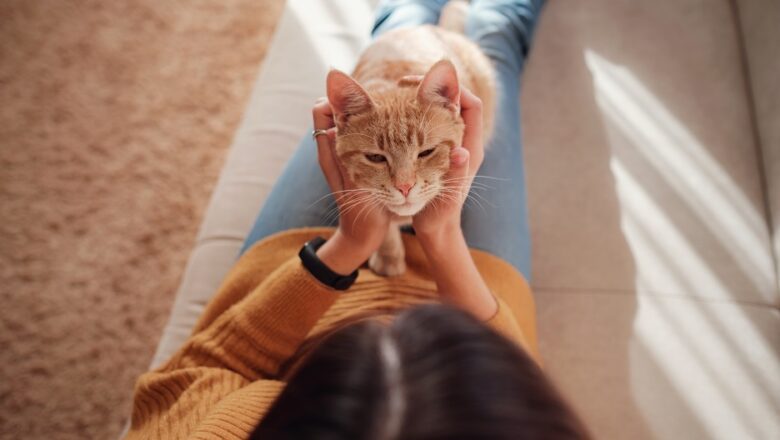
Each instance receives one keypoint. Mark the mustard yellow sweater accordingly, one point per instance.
(224, 378)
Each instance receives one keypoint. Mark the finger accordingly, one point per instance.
(471, 111)
(459, 160)
(458, 174)
(322, 114)
(325, 150)
(332, 135)
(346, 182)
(329, 164)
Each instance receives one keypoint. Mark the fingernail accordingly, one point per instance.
(459, 155)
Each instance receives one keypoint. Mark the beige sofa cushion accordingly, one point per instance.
(653, 269)
(652, 263)
(761, 37)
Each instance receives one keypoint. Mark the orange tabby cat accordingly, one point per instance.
(394, 134)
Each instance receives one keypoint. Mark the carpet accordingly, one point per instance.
(115, 118)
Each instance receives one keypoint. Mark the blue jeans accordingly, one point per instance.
(496, 220)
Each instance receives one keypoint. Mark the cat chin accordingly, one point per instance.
(405, 210)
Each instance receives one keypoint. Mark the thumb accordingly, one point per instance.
(458, 175)
(459, 163)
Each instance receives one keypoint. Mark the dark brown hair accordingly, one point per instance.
(435, 373)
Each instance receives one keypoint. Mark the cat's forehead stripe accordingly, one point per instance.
(399, 133)
(409, 135)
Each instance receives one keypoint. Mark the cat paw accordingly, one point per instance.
(387, 266)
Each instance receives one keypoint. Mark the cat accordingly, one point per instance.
(394, 134)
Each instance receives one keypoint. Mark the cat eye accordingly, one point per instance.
(426, 153)
(376, 158)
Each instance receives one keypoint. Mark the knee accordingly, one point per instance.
(392, 14)
(389, 6)
(503, 25)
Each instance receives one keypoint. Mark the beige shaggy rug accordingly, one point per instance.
(115, 117)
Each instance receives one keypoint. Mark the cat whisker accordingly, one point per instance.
(470, 197)
(425, 119)
(466, 178)
(449, 196)
(334, 193)
(477, 185)
(473, 180)
(434, 204)
(346, 203)
(430, 129)
(473, 189)
(477, 195)
(480, 176)
(347, 206)
(454, 188)
(427, 127)
(474, 185)
(367, 208)
(456, 195)
(370, 206)
(352, 204)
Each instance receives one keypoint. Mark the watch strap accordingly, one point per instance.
(318, 269)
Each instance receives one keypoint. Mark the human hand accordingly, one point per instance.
(362, 222)
(438, 225)
(442, 215)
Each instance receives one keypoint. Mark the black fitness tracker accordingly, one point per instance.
(319, 270)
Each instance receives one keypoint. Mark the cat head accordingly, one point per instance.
(395, 142)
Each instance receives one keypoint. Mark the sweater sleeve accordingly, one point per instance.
(248, 341)
(258, 334)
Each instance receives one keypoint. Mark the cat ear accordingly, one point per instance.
(346, 96)
(440, 86)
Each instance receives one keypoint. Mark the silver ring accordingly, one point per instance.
(317, 132)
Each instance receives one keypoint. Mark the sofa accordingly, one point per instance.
(652, 147)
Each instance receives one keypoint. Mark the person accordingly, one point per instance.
(294, 346)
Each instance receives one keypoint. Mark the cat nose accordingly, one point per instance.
(404, 188)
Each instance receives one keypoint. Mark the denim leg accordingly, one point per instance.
(496, 218)
(392, 14)
(299, 198)
(503, 29)
(301, 195)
